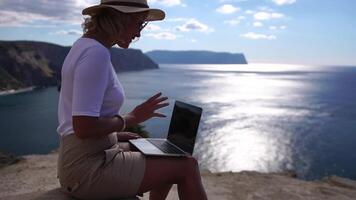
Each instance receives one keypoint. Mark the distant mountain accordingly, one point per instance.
(196, 57)
(29, 63)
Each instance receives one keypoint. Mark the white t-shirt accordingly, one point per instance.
(90, 86)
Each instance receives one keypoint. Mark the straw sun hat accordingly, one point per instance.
(127, 6)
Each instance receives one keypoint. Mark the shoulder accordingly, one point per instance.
(93, 49)
(97, 52)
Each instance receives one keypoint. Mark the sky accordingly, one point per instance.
(308, 32)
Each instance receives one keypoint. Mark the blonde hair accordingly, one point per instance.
(109, 22)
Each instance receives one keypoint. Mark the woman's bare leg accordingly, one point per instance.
(157, 193)
(161, 192)
(163, 171)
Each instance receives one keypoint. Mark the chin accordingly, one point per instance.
(123, 45)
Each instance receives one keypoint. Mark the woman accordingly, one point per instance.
(95, 160)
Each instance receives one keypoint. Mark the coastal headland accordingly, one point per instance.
(32, 64)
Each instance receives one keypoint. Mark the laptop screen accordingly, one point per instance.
(184, 126)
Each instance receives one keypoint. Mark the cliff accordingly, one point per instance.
(196, 57)
(28, 63)
(35, 178)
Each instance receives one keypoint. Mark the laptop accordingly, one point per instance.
(181, 136)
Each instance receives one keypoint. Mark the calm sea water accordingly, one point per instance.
(267, 118)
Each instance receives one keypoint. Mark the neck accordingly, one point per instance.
(101, 39)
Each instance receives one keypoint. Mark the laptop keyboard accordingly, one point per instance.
(166, 147)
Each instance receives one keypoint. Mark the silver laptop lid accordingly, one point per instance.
(184, 125)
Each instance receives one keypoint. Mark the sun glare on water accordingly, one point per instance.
(242, 132)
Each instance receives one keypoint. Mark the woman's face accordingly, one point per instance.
(133, 30)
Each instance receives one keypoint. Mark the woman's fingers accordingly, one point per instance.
(155, 102)
(158, 115)
(154, 97)
(158, 100)
(158, 106)
(148, 108)
(134, 135)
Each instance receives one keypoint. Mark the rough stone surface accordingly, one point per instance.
(8, 159)
(35, 178)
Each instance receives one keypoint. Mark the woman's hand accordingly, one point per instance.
(146, 110)
(126, 136)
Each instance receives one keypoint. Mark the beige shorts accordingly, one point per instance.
(98, 168)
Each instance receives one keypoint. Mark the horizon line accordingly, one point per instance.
(249, 62)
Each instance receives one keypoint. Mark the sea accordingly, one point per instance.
(256, 117)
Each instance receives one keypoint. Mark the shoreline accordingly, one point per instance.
(34, 177)
(13, 91)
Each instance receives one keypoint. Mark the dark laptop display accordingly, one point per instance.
(184, 126)
(182, 132)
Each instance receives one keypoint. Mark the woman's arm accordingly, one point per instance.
(88, 127)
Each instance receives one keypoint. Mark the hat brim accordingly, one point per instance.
(153, 14)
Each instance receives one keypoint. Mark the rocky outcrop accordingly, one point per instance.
(27, 63)
(35, 178)
(131, 60)
(8, 159)
(196, 57)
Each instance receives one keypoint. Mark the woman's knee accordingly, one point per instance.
(173, 170)
(191, 166)
(192, 162)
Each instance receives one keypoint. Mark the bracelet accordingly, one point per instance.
(123, 122)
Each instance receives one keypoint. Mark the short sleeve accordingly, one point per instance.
(90, 81)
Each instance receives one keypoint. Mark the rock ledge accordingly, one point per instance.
(35, 178)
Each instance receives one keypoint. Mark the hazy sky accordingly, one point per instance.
(320, 32)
